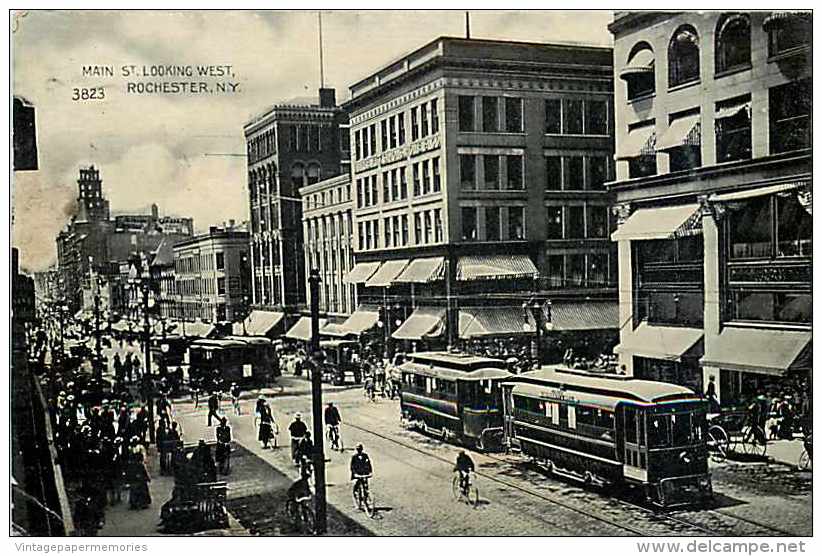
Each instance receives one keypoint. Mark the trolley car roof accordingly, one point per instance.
(453, 374)
(456, 360)
(618, 387)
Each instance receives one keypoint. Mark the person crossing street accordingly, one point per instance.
(297, 430)
(213, 407)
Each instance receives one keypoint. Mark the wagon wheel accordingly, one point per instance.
(804, 461)
(750, 445)
(718, 443)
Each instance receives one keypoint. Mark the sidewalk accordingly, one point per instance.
(786, 452)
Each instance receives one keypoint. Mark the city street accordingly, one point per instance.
(412, 478)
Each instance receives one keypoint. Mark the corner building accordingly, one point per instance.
(713, 193)
(478, 171)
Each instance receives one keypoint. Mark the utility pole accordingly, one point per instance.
(449, 316)
(98, 351)
(147, 357)
(317, 404)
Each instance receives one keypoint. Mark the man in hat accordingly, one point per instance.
(297, 430)
(213, 407)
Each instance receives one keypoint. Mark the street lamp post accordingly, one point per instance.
(145, 287)
(317, 404)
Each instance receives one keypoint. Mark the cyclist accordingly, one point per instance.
(235, 397)
(299, 491)
(223, 450)
(297, 430)
(305, 453)
(361, 469)
(332, 421)
(465, 466)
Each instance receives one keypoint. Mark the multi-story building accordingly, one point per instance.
(289, 146)
(161, 271)
(153, 222)
(328, 238)
(479, 168)
(713, 191)
(211, 274)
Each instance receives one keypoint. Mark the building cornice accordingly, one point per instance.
(629, 21)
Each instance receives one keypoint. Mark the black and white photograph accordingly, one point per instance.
(411, 273)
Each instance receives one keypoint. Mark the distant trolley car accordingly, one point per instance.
(612, 430)
(455, 396)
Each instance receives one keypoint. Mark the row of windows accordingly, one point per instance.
(201, 286)
(562, 116)
(588, 421)
(424, 121)
(579, 270)
(426, 178)
(261, 146)
(431, 385)
(307, 138)
(427, 228)
(203, 311)
(498, 171)
(493, 228)
(327, 198)
(197, 263)
(577, 222)
(369, 233)
(302, 174)
(266, 293)
(331, 227)
(497, 114)
(732, 50)
(576, 173)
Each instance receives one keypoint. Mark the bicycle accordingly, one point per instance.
(334, 437)
(363, 498)
(301, 513)
(805, 458)
(306, 468)
(465, 490)
(753, 441)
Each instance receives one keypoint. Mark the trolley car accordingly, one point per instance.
(246, 361)
(612, 430)
(455, 396)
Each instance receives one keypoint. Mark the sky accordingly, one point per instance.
(160, 148)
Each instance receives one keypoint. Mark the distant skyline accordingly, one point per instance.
(150, 148)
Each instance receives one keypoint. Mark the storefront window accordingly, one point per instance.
(794, 230)
(790, 116)
(772, 306)
(751, 235)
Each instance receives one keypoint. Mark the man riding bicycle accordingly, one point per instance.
(332, 422)
(465, 466)
(300, 491)
(361, 470)
(305, 454)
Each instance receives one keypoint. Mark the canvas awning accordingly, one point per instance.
(364, 318)
(683, 132)
(640, 142)
(757, 192)
(302, 329)
(583, 315)
(258, 323)
(424, 322)
(387, 273)
(661, 223)
(670, 343)
(198, 329)
(758, 350)
(360, 273)
(334, 329)
(732, 110)
(641, 63)
(477, 322)
(492, 267)
(422, 271)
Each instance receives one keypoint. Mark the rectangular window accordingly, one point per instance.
(415, 124)
(314, 138)
(556, 271)
(642, 166)
(790, 116)
(395, 228)
(359, 194)
(513, 115)
(553, 115)
(554, 215)
(403, 183)
(596, 117)
(305, 140)
(576, 270)
(386, 188)
(490, 114)
(772, 306)
(598, 222)
(429, 226)
(395, 185)
(492, 223)
(466, 113)
(491, 167)
(220, 260)
(386, 229)
(438, 236)
(598, 270)
(553, 173)
(733, 131)
(417, 189)
(374, 190)
(516, 223)
(221, 285)
(435, 163)
(426, 177)
(405, 229)
(357, 151)
(597, 172)
(384, 135)
(423, 120)
(435, 117)
(417, 228)
(392, 132)
(574, 222)
(401, 128)
(469, 223)
(468, 171)
(514, 167)
(572, 116)
(372, 139)
(574, 178)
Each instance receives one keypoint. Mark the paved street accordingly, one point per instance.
(413, 474)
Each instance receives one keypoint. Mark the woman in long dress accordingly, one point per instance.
(139, 495)
(266, 423)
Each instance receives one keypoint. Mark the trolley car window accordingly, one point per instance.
(447, 387)
(572, 417)
(630, 426)
(681, 427)
(554, 413)
(659, 431)
(563, 415)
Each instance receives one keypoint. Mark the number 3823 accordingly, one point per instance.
(92, 93)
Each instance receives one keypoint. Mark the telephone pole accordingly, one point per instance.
(317, 404)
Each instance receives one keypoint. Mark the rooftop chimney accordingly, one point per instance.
(328, 97)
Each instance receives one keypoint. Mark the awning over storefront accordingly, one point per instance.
(422, 271)
(198, 329)
(641, 63)
(478, 322)
(671, 343)
(640, 142)
(758, 350)
(387, 273)
(424, 322)
(302, 329)
(360, 273)
(683, 132)
(491, 267)
(661, 223)
(258, 323)
(335, 330)
(583, 315)
(364, 318)
(757, 192)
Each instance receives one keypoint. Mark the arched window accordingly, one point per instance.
(298, 175)
(683, 56)
(639, 73)
(314, 174)
(733, 42)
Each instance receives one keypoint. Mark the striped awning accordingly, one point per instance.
(478, 322)
(583, 315)
(732, 110)
(775, 18)
(360, 273)
(684, 132)
(387, 273)
(364, 318)
(258, 323)
(758, 192)
(641, 63)
(661, 223)
(422, 271)
(494, 267)
(424, 322)
(302, 329)
(640, 142)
